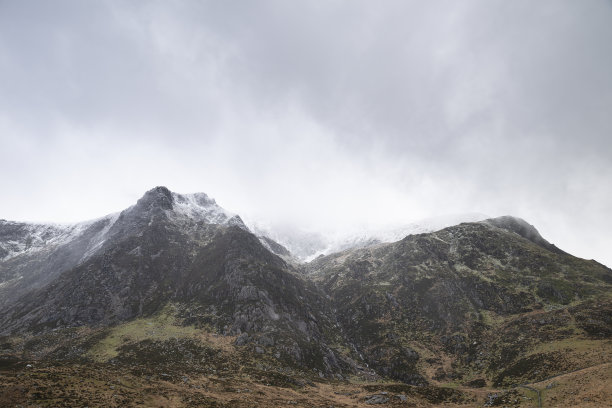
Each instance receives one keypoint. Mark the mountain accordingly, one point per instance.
(177, 294)
(481, 295)
(172, 249)
(33, 255)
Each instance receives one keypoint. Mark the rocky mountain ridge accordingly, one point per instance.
(304, 246)
(489, 302)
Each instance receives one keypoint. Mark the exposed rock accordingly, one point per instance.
(377, 399)
(242, 340)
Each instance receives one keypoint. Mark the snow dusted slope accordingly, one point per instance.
(200, 207)
(19, 238)
(419, 227)
(32, 255)
(307, 246)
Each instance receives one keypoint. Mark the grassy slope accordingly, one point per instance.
(158, 362)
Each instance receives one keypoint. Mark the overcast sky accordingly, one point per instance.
(321, 114)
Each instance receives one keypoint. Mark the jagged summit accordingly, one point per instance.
(32, 255)
(158, 197)
(18, 238)
(162, 197)
(194, 207)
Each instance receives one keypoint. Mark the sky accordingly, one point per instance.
(318, 115)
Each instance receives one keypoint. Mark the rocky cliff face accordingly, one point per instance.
(473, 303)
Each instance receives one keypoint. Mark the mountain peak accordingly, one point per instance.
(198, 207)
(159, 197)
(524, 229)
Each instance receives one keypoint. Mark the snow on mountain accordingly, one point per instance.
(200, 207)
(32, 255)
(20, 238)
(23, 238)
(307, 246)
(100, 237)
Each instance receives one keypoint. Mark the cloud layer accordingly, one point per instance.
(324, 115)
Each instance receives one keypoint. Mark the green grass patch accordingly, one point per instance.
(162, 326)
(491, 318)
(453, 385)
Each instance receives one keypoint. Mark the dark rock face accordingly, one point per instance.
(393, 308)
(157, 198)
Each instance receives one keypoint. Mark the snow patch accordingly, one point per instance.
(200, 207)
(308, 246)
(10, 281)
(33, 238)
(101, 236)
